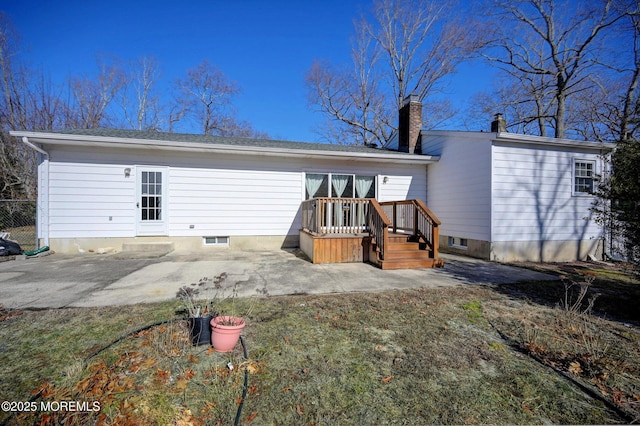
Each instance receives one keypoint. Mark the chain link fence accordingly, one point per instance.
(18, 222)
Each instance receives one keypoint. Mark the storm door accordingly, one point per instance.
(151, 203)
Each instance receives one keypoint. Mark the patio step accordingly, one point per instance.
(149, 247)
(411, 263)
(403, 252)
(405, 246)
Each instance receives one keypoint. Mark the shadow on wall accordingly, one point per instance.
(292, 240)
(559, 221)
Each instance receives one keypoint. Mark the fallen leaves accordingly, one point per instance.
(6, 314)
(128, 378)
(251, 417)
(162, 376)
(526, 408)
(575, 368)
(252, 367)
(45, 390)
(386, 379)
(184, 379)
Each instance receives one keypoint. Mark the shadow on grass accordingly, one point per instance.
(616, 288)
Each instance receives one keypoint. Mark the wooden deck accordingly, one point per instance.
(390, 235)
(335, 248)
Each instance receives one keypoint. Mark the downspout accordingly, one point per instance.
(44, 153)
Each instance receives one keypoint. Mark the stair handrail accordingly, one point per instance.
(431, 221)
(419, 220)
(379, 224)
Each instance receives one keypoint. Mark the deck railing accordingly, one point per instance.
(324, 216)
(335, 215)
(379, 227)
(415, 218)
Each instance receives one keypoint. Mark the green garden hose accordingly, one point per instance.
(38, 251)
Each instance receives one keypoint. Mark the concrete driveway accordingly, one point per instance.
(88, 280)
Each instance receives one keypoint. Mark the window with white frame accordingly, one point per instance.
(339, 185)
(216, 241)
(583, 176)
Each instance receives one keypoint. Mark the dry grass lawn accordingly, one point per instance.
(527, 353)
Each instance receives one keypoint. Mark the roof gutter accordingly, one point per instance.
(506, 137)
(25, 140)
(81, 140)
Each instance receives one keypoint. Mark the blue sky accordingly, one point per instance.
(265, 46)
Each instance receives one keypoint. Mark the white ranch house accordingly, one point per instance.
(494, 195)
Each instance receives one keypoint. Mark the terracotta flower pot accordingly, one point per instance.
(225, 332)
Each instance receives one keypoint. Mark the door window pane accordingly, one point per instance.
(151, 200)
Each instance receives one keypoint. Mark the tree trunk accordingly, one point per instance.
(561, 101)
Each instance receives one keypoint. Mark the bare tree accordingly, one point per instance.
(30, 101)
(91, 98)
(422, 43)
(525, 114)
(608, 109)
(177, 112)
(554, 44)
(206, 95)
(14, 78)
(352, 97)
(17, 164)
(630, 117)
(405, 47)
(140, 104)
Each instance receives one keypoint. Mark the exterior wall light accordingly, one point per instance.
(127, 172)
(385, 179)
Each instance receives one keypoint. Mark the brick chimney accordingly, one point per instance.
(410, 125)
(499, 124)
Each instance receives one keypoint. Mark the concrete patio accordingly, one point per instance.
(87, 280)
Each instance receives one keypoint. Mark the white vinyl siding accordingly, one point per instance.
(532, 196)
(460, 183)
(219, 201)
(90, 200)
(208, 195)
(403, 186)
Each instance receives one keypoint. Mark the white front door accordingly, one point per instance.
(151, 201)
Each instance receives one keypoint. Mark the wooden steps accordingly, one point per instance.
(404, 252)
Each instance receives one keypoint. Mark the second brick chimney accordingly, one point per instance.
(499, 124)
(410, 125)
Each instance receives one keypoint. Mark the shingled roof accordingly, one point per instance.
(206, 143)
(221, 140)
